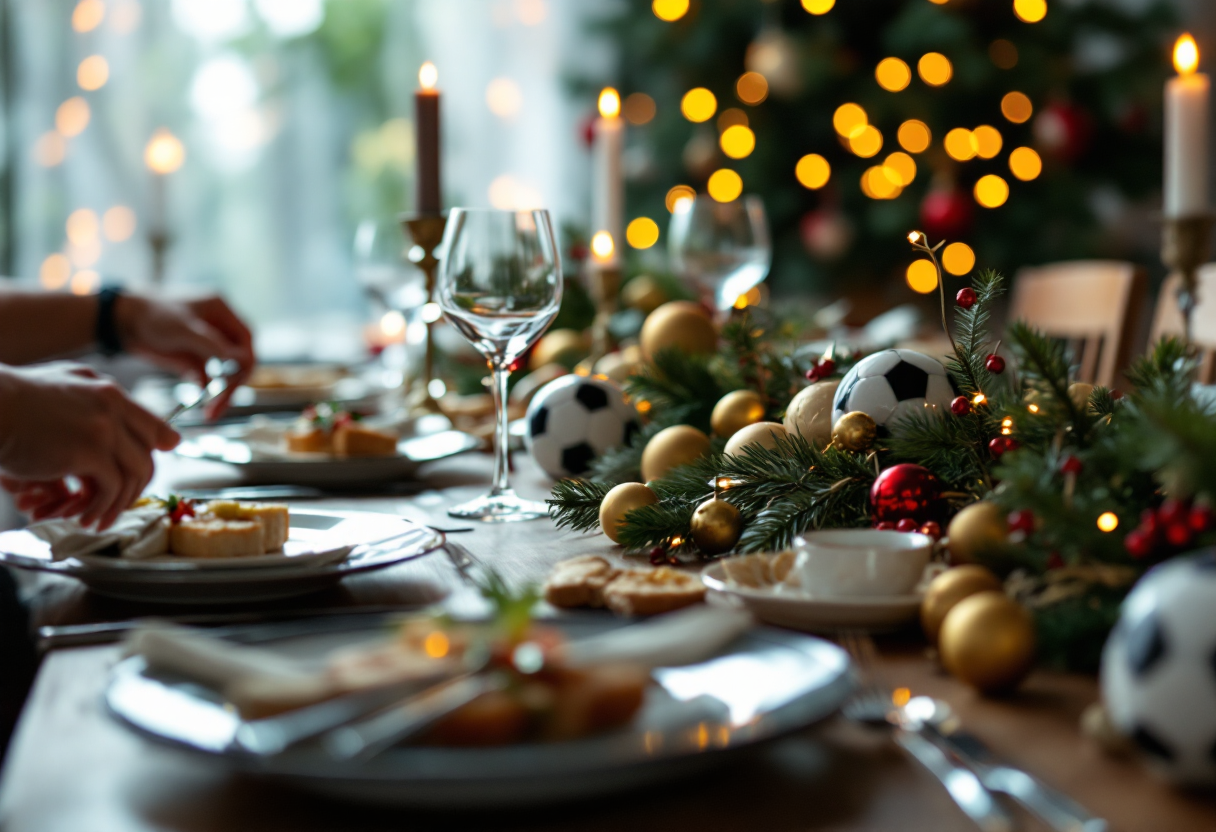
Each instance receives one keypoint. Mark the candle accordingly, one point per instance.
(1186, 134)
(163, 155)
(426, 122)
(607, 185)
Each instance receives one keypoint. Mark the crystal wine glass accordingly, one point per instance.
(500, 284)
(721, 248)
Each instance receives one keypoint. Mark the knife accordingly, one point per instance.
(964, 787)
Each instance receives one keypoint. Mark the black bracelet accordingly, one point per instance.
(107, 329)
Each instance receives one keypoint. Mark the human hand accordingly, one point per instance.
(183, 335)
(64, 421)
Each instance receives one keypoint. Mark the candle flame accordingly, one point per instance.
(428, 76)
(1186, 55)
(602, 245)
(610, 103)
(164, 153)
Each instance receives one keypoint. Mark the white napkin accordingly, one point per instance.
(686, 636)
(139, 533)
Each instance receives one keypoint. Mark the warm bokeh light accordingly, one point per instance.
(72, 116)
(922, 276)
(751, 297)
(602, 246)
(1186, 55)
(818, 6)
(867, 142)
(958, 259)
(1025, 164)
(879, 183)
(849, 119)
(642, 232)
(737, 142)
(126, 16)
(85, 255)
(893, 74)
(55, 272)
(50, 149)
(118, 223)
(1108, 521)
(638, 108)
(934, 69)
(88, 15)
(609, 103)
(988, 141)
(82, 227)
(1016, 107)
(393, 326)
(669, 10)
(678, 194)
(725, 185)
(698, 105)
(914, 136)
(428, 76)
(1030, 11)
(752, 88)
(902, 166)
(93, 73)
(813, 171)
(959, 144)
(504, 98)
(991, 191)
(85, 282)
(731, 116)
(164, 153)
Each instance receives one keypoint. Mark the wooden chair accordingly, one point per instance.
(1167, 320)
(1093, 305)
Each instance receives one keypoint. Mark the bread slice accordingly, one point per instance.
(212, 537)
(579, 582)
(760, 570)
(652, 591)
(354, 439)
(274, 517)
(310, 440)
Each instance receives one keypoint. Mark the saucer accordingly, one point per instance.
(874, 613)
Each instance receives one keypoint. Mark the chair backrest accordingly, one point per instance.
(1167, 320)
(1093, 305)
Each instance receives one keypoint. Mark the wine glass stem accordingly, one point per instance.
(501, 446)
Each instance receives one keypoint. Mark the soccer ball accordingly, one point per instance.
(1159, 669)
(574, 419)
(889, 385)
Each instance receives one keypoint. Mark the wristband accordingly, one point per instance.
(107, 329)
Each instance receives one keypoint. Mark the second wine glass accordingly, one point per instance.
(721, 248)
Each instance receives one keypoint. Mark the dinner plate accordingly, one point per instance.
(875, 613)
(766, 684)
(322, 548)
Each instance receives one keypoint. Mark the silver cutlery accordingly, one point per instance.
(218, 374)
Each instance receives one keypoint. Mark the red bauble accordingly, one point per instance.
(1139, 544)
(906, 525)
(932, 528)
(965, 297)
(1201, 518)
(1173, 512)
(1021, 520)
(960, 405)
(1179, 534)
(1011, 444)
(885, 526)
(946, 213)
(995, 364)
(904, 491)
(826, 234)
(1072, 465)
(1062, 130)
(998, 446)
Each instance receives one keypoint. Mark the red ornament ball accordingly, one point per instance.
(946, 212)
(965, 297)
(906, 525)
(995, 364)
(1201, 518)
(1179, 534)
(1173, 512)
(933, 529)
(1063, 130)
(960, 406)
(1139, 543)
(997, 446)
(1072, 465)
(906, 490)
(1021, 520)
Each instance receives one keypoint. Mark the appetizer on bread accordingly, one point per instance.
(324, 429)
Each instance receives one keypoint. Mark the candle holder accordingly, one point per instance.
(158, 242)
(1185, 243)
(603, 283)
(426, 230)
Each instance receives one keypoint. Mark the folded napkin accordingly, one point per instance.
(138, 533)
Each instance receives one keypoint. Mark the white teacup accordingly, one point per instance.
(836, 563)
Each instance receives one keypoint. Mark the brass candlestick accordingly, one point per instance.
(426, 230)
(1185, 243)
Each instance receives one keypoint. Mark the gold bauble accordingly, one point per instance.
(977, 529)
(735, 411)
(681, 325)
(947, 589)
(810, 413)
(854, 431)
(559, 346)
(620, 365)
(671, 447)
(1079, 392)
(988, 641)
(716, 526)
(764, 434)
(644, 294)
(622, 499)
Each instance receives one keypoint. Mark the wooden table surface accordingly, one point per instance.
(71, 768)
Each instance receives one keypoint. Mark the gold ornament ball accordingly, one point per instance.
(716, 526)
(618, 502)
(810, 413)
(1079, 392)
(947, 589)
(682, 325)
(671, 447)
(735, 411)
(762, 433)
(644, 294)
(559, 346)
(855, 431)
(620, 365)
(977, 529)
(988, 641)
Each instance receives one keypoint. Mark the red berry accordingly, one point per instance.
(1201, 518)
(658, 556)
(1021, 520)
(1173, 512)
(812, 374)
(932, 529)
(1012, 444)
(826, 367)
(965, 297)
(1072, 465)
(1139, 544)
(998, 446)
(885, 526)
(1178, 534)
(995, 364)
(960, 405)
(1116, 394)
(907, 524)
(1149, 523)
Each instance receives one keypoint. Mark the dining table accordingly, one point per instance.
(72, 767)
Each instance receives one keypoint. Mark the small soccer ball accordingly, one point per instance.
(890, 385)
(1159, 669)
(573, 420)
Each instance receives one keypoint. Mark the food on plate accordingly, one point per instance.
(290, 377)
(579, 582)
(274, 518)
(761, 571)
(222, 528)
(591, 581)
(324, 429)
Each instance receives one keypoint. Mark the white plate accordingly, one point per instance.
(815, 615)
(323, 547)
(766, 684)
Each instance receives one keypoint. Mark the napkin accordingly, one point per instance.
(138, 533)
(686, 636)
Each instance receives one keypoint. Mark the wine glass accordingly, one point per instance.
(721, 248)
(500, 284)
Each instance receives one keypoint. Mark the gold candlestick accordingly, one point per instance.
(426, 230)
(1185, 243)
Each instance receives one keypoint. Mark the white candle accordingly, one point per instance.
(1186, 134)
(607, 184)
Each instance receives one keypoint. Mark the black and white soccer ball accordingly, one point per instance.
(889, 385)
(574, 419)
(1159, 668)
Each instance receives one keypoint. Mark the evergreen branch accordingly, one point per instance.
(1042, 362)
(679, 388)
(968, 365)
(575, 504)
